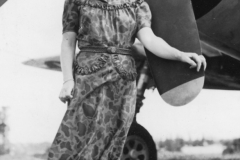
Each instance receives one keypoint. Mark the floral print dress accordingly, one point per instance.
(97, 120)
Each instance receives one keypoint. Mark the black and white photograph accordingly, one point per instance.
(119, 79)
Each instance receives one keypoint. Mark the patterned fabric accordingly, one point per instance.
(96, 26)
(98, 118)
(124, 65)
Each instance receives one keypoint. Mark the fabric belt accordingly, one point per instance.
(110, 50)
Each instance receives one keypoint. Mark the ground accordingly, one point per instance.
(39, 152)
(161, 156)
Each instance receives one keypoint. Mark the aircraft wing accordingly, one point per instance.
(51, 63)
(218, 23)
(2, 2)
(221, 73)
(220, 29)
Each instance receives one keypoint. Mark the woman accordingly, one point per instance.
(100, 88)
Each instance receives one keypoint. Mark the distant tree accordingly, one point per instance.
(209, 141)
(232, 146)
(197, 143)
(172, 145)
(3, 132)
(236, 144)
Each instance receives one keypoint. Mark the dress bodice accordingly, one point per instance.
(106, 22)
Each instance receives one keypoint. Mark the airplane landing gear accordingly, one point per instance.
(139, 145)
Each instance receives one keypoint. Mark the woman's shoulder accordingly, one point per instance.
(75, 1)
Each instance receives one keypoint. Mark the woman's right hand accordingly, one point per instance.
(67, 91)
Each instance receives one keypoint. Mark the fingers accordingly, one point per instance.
(190, 60)
(192, 63)
(65, 95)
(203, 61)
(199, 60)
(195, 60)
(66, 98)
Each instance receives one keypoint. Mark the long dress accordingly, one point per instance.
(97, 120)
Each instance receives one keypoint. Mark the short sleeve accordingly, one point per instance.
(70, 18)
(143, 15)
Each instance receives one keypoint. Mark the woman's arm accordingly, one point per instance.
(138, 49)
(68, 47)
(161, 49)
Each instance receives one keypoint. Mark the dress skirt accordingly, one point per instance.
(98, 118)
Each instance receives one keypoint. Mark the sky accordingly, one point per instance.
(31, 29)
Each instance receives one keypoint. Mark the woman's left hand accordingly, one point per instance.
(195, 60)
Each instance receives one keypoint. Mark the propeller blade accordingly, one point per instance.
(174, 21)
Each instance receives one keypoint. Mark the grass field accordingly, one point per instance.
(181, 156)
(38, 152)
(160, 157)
